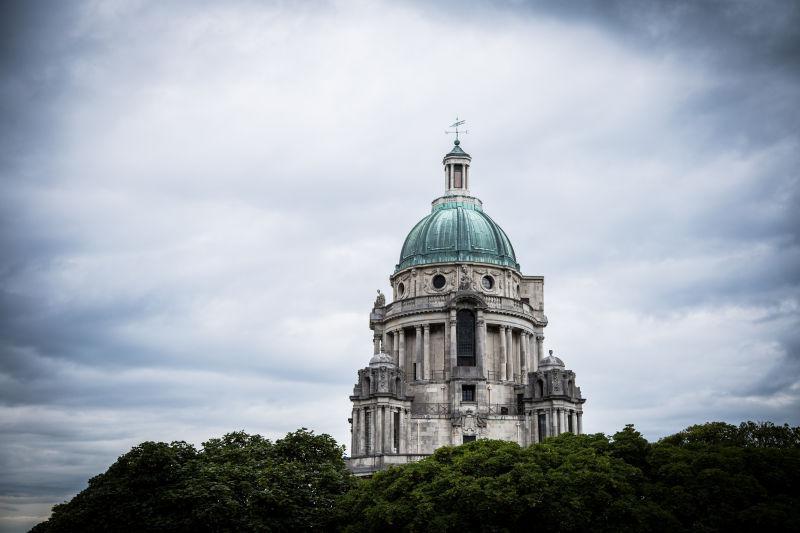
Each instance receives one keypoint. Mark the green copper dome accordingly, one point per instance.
(456, 231)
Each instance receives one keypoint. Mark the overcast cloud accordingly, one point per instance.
(199, 201)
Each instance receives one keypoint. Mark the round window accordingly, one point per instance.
(439, 281)
(487, 282)
(401, 289)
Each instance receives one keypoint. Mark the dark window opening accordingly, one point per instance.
(520, 408)
(542, 427)
(469, 438)
(415, 370)
(467, 393)
(397, 431)
(504, 410)
(457, 176)
(439, 281)
(465, 334)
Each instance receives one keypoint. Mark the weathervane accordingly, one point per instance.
(455, 125)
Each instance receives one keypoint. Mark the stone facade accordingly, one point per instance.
(458, 353)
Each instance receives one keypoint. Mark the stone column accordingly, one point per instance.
(480, 349)
(387, 429)
(535, 429)
(418, 351)
(396, 344)
(378, 430)
(574, 416)
(406, 434)
(426, 350)
(362, 435)
(354, 432)
(503, 354)
(539, 349)
(523, 348)
(580, 423)
(385, 342)
(401, 354)
(511, 358)
(453, 341)
(392, 430)
(376, 344)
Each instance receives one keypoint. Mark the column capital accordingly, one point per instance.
(418, 327)
(539, 337)
(427, 326)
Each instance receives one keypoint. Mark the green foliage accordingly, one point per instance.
(239, 482)
(568, 483)
(748, 434)
(712, 477)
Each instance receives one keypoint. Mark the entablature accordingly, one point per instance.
(443, 302)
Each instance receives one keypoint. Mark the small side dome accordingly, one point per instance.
(550, 362)
(381, 359)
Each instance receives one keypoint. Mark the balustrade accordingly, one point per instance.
(430, 408)
(440, 300)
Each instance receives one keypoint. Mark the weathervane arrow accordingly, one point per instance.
(455, 125)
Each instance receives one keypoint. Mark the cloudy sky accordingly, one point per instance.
(199, 201)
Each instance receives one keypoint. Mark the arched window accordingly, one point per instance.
(539, 388)
(465, 333)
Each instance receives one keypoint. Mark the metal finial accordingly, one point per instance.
(455, 125)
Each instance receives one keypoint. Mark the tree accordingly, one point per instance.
(568, 483)
(239, 482)
(712, 478)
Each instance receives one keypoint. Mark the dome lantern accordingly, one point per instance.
(456, 170)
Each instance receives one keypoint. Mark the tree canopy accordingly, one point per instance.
(709, 477)
(239, 482)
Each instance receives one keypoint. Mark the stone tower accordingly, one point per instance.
(458, 352)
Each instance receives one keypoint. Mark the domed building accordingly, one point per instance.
(458, 352)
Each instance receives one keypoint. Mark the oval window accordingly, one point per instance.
(439, 281)
(401, 289)
(487, 282)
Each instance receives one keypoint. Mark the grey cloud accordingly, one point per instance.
(198, 206)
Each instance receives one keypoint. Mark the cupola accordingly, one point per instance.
(456, 170)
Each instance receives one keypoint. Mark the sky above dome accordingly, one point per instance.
(199, 201)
